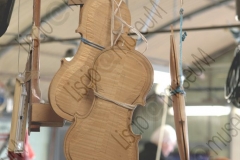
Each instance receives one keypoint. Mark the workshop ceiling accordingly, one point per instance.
(201, 13)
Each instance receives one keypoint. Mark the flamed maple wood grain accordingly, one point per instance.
(105, 132)
(101, 129)
(68, 92)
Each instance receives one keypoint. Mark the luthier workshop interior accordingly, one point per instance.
(96, 79)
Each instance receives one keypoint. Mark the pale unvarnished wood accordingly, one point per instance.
(105, 133)
(33, 66)
(43, 115)
(69, 92)
(101, 129)
(18, 130)
(178, 103)
(32, 80)
(35, 63)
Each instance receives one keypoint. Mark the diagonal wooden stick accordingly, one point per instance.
(163, 122)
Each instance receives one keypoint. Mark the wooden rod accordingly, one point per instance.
(36, 94)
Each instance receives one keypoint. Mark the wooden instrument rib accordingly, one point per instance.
(178, 103)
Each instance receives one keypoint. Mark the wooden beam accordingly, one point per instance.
(44, 116)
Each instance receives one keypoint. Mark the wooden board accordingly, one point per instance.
(43, 115)
(19, 117)
(68, 92)
(105, 133)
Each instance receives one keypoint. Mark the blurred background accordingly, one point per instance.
(212, 28)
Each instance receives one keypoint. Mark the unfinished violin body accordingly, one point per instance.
(99, 90)
(69, 92)
(121, 79)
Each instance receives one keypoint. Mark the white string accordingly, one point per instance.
(135, 31)
(119, 34)
(122, 26)
(124, 105)
(124, 23)
(114, 12)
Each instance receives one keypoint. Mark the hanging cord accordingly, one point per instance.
(135, 31)
(124, 105)
(179, 89)
(114, 12)
(124, 23)
(85, 41)
(122, 26)
(181, 39)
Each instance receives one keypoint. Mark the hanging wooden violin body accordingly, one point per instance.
(99, 90)
(69, 92)
(105, 133)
